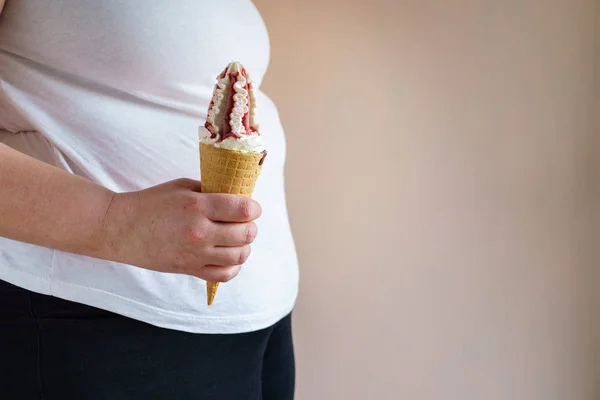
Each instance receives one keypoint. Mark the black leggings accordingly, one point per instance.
(54, 349)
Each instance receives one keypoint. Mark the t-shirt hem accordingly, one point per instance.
(142, 312)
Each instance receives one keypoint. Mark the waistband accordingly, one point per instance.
(19, 303)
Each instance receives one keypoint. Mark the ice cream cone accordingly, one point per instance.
(227, 171)
(231, 156)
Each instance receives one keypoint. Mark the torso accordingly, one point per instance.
(115, 91)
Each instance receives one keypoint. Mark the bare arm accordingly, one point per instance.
(47, 206)
(171, 227)
(1, 5)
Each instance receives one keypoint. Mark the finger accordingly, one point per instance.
(230, 234)
(218, 273)
(227, 255)
(231, 208)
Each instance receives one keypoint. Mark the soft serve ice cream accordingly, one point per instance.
(231, 119)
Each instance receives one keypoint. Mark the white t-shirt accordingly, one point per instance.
(114, 91)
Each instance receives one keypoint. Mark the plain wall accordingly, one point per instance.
(439, 186)
(596, 183)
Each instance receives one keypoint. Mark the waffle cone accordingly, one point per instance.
(227, 171)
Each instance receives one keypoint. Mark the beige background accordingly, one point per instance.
(440, 185)
(597, 196)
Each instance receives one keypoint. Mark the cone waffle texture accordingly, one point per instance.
(227, 171)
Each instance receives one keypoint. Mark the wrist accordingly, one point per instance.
(115, 227)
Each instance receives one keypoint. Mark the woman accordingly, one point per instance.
(106, 240)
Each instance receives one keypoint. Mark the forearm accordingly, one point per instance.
(47, 206)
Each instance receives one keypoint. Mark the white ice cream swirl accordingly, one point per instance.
(240, 106)
(217, 101)
(237, 95)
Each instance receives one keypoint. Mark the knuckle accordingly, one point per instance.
(258, 209)
(190, 203)
(251, 233)
(197, 234)
(229, 273)
(206, 205)
(220, 203)
(236, 256)
(243, 255)
(246, 209)
(225, 200)
(232, 257)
